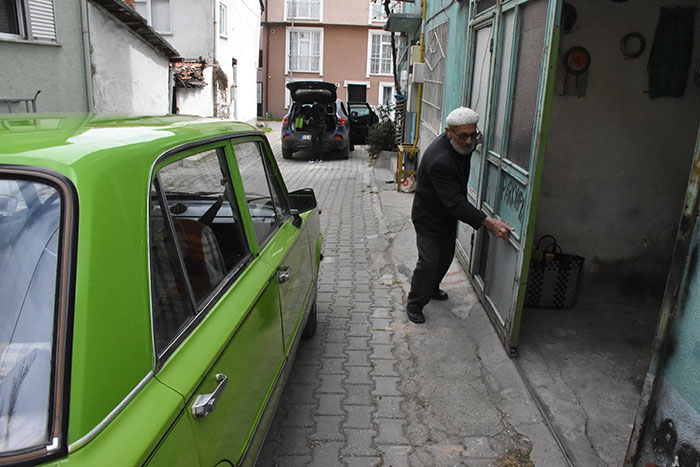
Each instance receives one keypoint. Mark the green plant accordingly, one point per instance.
(381, 137)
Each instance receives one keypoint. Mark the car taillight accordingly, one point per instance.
(337, 137)
(285, 120)
(341, 121)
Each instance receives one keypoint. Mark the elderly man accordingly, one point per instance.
(440, 200)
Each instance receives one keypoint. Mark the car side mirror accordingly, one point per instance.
(302, 200)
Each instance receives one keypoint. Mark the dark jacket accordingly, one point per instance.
(318, 116)
(441, 191)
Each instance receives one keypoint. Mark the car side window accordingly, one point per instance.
(196, 242)
(266, 203)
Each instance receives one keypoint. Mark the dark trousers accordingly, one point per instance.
(434, 258)
(316, 141)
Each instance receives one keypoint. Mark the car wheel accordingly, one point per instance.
(287, 153)
(352, 146)
(310, 328)
(345, 153)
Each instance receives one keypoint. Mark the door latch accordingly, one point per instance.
(205, 403)
(284, 274)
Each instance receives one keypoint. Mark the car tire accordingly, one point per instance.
(352, 146)
(345, 153)
(310, 328)
(287, 153)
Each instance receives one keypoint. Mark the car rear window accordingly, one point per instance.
(30, 232)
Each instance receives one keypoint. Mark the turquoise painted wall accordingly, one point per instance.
(437, 12)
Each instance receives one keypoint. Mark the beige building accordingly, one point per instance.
(339, 41)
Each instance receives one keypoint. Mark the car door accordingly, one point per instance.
(282, 244)
(361, 118)
(216, 315)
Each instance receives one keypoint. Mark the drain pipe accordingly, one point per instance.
(213, 64)
(420, 85)
(87, 62)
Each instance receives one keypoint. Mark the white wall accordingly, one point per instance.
(242, 42)
(197, 101)
(617, 162)
(129, 76)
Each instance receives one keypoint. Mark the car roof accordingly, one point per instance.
(64, 142)
(309, 91)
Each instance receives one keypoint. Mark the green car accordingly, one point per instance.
(156, 277)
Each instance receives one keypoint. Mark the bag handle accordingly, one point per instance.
(552, 247)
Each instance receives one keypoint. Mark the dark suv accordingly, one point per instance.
(296, 134)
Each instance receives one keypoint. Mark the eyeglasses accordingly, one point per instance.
(466, 136)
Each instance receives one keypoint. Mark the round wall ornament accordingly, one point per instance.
(633, 45)
(577, 60)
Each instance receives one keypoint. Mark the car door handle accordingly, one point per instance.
(205, 403)
(284, 274)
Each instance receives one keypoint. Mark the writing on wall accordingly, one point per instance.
(514, 197)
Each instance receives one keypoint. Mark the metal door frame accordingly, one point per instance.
(532, 178)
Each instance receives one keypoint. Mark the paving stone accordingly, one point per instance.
(299, 416)
(304, 374)
(327, 429)
(330, 404)
(331, 384)
(290, 461)
(300, 394)
(359, 375)
(358, 343)
(358, 358)
(359, 330)
(358, 416)
(386, 386)
(390, 431)
(332, 366)
(389, 406)
(295, 442)
(358, 394)
(362, 461)
(382, 351)
(384, 368)
(334, 350)
(325, 454)
(359, 443)
(381, 337)
(395, 456)
(381, 324)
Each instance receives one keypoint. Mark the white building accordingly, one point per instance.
(219, 41)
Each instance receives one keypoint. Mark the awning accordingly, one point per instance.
(403, 22)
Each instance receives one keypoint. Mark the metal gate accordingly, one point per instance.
(510, 80)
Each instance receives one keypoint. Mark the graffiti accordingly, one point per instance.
(665, 446)
(514, 197)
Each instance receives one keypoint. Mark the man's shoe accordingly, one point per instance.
(440, 295)
(416, 316)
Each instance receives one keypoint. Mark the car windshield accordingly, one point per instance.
(30, 218)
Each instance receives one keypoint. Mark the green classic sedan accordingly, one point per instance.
(156, 277)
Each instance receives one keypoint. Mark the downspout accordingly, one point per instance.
(420, 85)
(87, 62)
(213, 74)
(266, 109)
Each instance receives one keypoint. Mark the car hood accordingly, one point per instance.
(309, 91)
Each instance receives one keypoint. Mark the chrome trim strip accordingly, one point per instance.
(110, 416)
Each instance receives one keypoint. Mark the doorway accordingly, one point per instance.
(612, 190)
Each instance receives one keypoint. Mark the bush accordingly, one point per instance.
(381, 137)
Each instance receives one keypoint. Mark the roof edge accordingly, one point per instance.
(137, 24)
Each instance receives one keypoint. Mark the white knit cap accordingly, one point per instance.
(462, 116)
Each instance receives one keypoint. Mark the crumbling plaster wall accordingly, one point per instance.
(617, 162)
(128, 75)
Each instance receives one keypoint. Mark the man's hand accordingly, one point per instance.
(497, 227)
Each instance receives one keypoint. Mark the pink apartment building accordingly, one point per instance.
(340, 41)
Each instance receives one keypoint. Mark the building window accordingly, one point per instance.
(28, 19)
(380, 62)
(303, 9)
(376, 10)
(223, 20)
(157, 12)
(304, 50)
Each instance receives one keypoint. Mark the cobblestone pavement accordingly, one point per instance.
(371, 388)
